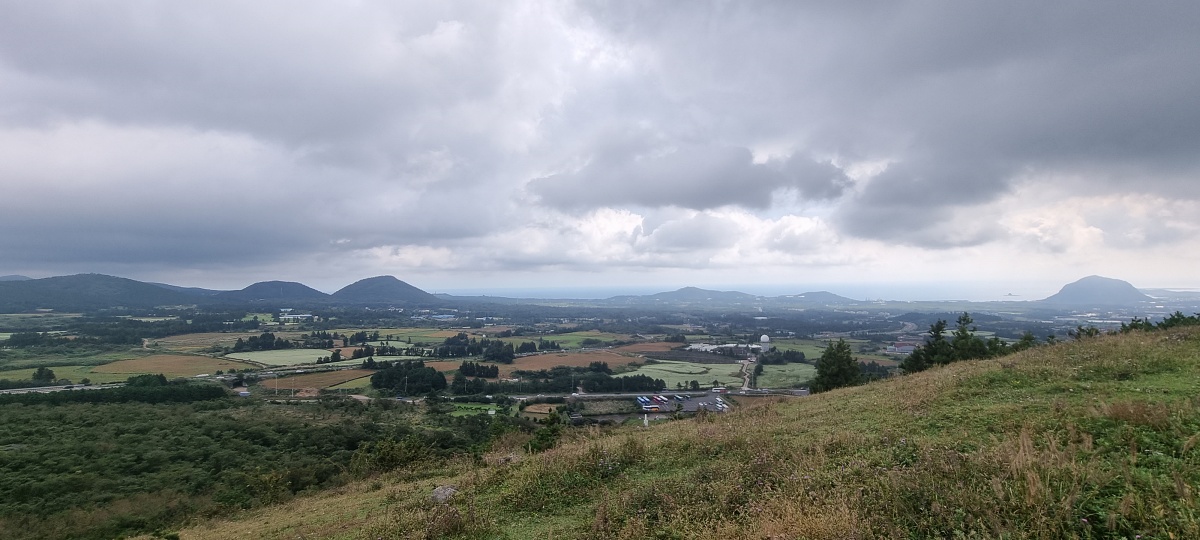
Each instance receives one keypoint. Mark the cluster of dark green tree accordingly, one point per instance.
(410, 377)
(776, 357)
(139, 388)
(473, 369)
(963, 344)
(264, 342)
(597, 377)
(1174, 320)
(93, 330)
(460, 345)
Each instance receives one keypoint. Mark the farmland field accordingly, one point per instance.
(17, 358)
(674, 373)
(575, 359)
(812, 349)
(648, 347)
(399, 336)
(785, 376)
(361, 383)
(316, 380)
(171, 365)
(201, 341)
(74, 374)
(282, 357)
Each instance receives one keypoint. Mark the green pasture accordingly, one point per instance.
(399, 336)
(812, 348)
(786, 376)
(282, 357)
(262, 317)
(574, 340)
(75, 374)
(675, 373)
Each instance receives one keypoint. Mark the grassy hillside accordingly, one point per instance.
(1096, 439)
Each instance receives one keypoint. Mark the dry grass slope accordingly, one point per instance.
(1095, 439)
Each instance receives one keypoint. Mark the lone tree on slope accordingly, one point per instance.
(836, 368)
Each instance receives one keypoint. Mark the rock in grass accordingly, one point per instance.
(442, 494)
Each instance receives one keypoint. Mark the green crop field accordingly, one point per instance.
(812, 349)
(786, 376)
(283, 357)
(676, 373)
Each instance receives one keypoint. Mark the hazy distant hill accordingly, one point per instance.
(194, 291)
(383, 290)
(274, 290)
(14, 277)
(816, 297)
(688, 295)
(85, 291)
(1098, 291)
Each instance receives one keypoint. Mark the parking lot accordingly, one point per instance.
(684, 402)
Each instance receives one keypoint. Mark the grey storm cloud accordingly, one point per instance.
(696, 177)
(221, 132)
(962, 100)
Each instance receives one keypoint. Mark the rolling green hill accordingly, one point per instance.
(1089, 439)
(84, 292)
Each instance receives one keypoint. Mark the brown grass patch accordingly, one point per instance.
(649, 346)
(574, 359)
(171, 365)
(541, 408)
(316, 380)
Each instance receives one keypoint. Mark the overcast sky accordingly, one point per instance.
(498, 145)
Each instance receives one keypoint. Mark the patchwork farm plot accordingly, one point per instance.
(282, 357)
(321, 380)
(171, 365)
(574, 359)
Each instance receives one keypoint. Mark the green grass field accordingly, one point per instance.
(786, 376)
(283, 357)
(812, 349)
(675, 373)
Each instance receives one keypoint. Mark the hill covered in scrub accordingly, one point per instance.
(1089, 439)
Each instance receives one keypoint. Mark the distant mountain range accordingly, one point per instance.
(98, 291)
(83, 292)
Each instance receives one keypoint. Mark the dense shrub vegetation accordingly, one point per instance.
(99, 470)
